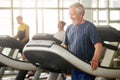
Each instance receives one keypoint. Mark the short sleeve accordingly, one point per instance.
(93, 34)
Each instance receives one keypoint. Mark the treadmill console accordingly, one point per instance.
(38, 43)
(44, 36)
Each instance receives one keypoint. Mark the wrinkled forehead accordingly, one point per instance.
(72, 10)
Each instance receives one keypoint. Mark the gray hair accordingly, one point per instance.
(79, 7)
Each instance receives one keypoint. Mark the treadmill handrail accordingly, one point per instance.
(17, 64)
(76, 62)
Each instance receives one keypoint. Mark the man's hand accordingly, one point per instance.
(94, 64)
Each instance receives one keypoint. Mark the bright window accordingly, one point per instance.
(43, 15)
(114, 15)
(50, 21)
(5, 3)
(5, 22)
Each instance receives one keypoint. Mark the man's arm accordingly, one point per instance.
(96, 56)
(26, 34)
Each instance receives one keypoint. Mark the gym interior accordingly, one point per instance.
(43, 16)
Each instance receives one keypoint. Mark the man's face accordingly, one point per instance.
(19, 20)
(74, 15)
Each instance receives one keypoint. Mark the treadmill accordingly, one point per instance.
(47, 54)
(7, 41)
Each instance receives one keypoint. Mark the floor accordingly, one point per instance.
(11, 74)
